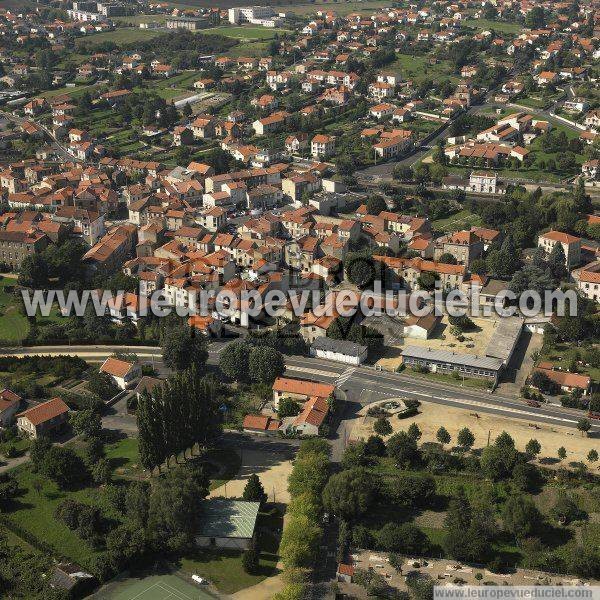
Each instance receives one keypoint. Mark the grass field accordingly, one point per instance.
(533, 102)
(463, 219)
(419, 69)
(339, 8)
(125, 458)
(245, 33)
(256, 48)
(13, 325)
(120, 36)
(299, 8)
(154, 587)
(74, 92)
(34, 512)
(137, 19)
(495, 25)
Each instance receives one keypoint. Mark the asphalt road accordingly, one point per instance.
(360, 385)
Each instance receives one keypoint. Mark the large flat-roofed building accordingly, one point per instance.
(187, 23)
(443, 361)
(250, 14)
(226, 523)
(504, 340)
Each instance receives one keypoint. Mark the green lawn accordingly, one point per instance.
(121, 36)
(562, 354)
(533, 102)
(339, 8)
(246, 33)
(224, 570)
(256, 48)
(495, 25)
(14, 326)
(137, 19)
(34, 512)
(446, 378)
(125, 458)
(463, 219)
(74, 92)
(419, 69)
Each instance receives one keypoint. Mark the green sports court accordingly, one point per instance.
(154, 587)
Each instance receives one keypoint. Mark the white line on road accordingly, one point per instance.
(312, 371)
(345, 376)
(486, 405)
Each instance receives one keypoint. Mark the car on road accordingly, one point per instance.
(533, 403)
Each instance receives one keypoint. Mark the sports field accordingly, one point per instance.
(155, 587)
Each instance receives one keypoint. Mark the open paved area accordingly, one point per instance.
(475, 342)
(446, 573)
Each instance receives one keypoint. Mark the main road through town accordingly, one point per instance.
(359, 386)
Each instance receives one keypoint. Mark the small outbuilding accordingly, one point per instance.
(420, 327)
(226, 523)
(72, 580)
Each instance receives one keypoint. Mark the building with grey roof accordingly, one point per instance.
(226, 523)
(343, 351)
(443, 361)
(504, 339)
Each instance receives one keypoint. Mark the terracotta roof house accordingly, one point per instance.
(300, 389)
(261, 424)
(311, 418)
(565, 380)
(124, 373)
(43, 418)
(9, 405)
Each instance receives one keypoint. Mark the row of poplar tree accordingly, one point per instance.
(176, 415)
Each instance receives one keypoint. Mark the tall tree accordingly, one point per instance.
(265, 364)
(557, 262)
(254, 490)
(183, 347)
(174, 509)
(233, 361)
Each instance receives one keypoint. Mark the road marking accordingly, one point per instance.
(486, 405)
(345, 376)
(331, 374)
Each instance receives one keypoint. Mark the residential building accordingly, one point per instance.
(124, 373)
(322, 146)
(570, 243)
(43, 419)
(15, 246)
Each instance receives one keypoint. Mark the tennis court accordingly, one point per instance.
(155, 587)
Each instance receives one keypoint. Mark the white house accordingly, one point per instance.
(124, 373)
(343, 351)
(9, 405)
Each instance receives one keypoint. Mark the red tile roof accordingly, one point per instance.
(302, 387)
(116, 367)
(44, 412)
